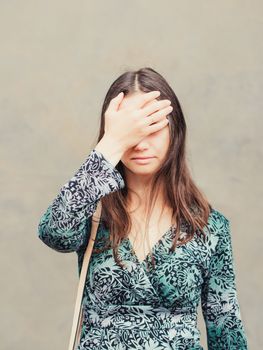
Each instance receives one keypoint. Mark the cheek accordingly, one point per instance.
(162, 138)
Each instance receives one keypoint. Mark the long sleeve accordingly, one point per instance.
(65, 225)
(220, 306)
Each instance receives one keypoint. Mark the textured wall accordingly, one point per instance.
(58, 59)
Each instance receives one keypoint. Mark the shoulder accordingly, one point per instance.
(217, 221)
(219, 228)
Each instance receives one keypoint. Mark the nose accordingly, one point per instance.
(142, 145)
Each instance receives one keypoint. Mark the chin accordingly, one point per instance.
(142, 169)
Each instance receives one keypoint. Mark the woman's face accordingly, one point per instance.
(154, 145)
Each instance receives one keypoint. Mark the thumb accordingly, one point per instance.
(116, 101)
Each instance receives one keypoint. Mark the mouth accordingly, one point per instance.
(142, 157)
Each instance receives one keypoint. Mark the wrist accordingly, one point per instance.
(111, 149)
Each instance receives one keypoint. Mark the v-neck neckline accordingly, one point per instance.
(153, 248)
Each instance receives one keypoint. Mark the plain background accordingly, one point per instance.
(58, 59)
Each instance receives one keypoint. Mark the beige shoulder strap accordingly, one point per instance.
(78, 312)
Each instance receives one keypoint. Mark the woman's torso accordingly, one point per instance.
(141, 307)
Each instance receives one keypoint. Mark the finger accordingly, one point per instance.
(158, 126)
(156, 106)
(115, 102)
(158, 116)
(145, 98)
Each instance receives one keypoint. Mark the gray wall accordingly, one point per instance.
(58, 59)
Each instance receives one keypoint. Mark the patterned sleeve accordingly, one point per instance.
(65, 224)
(220, 306)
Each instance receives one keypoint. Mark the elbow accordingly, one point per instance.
(64, 240)
(58, 241)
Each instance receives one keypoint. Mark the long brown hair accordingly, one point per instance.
(189, 205)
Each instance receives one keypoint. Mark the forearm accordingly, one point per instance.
(63, 226)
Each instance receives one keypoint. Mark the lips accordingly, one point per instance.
(142, 157)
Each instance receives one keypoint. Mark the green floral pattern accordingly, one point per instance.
(139, 307)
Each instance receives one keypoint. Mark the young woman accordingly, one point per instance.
(161, 248)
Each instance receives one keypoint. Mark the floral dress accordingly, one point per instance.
(139, 307)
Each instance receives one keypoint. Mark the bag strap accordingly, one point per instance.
(78, 311)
